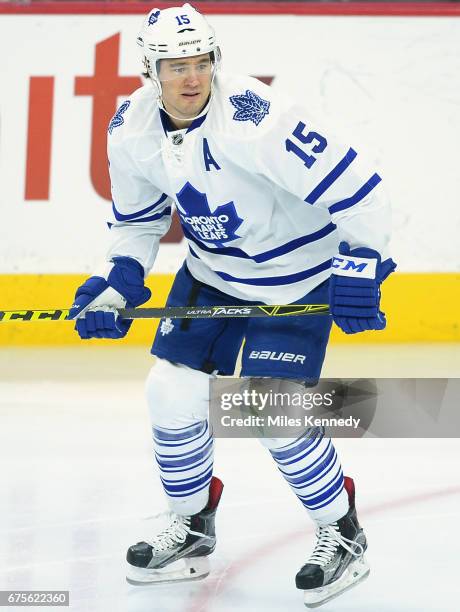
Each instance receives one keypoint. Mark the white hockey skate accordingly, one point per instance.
(180, 551)
(337, 563)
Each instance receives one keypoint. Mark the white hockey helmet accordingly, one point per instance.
(179, 31)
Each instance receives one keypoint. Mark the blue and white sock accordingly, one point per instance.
(185, 459)
(311, 467)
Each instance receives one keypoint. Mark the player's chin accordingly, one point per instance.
(192, 100)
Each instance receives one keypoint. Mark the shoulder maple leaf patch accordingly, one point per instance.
(117, 119)
(250, 107)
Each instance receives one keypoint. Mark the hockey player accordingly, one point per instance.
(273, 210)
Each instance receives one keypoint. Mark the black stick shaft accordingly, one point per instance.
(178, 312)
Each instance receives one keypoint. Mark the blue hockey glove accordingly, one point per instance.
(97, 300)
(354, 290)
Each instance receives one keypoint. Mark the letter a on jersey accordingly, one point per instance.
(208, 158)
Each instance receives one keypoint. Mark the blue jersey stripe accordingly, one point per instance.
(358, 196)
(120, 217)
(330, 178)
(276, 280)
(163, 213)
(290, 246)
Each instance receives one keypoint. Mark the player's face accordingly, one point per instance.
(186, 84)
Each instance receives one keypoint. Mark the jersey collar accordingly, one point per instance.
(168, 127)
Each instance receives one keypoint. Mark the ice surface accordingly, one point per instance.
(78, 486)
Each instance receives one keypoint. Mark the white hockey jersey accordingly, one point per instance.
(264, 195)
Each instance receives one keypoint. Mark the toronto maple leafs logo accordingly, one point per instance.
(216, 227)
(250, 107)
(117, 119)
(166, 327)
(153, 17)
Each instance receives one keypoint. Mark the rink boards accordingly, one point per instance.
(419, 308)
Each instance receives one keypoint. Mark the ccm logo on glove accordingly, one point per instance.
(354, 266)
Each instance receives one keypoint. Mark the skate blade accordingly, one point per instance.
(356, 572)
(182, 570)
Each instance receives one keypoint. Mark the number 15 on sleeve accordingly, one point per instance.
(320, 143)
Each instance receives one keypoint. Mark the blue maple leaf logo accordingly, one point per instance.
(215, 227)
(153, 17)
(117, 119)
(250, 107)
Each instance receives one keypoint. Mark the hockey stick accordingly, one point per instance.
(177, 312)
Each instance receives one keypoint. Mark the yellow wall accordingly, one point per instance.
(420, 308)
